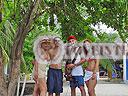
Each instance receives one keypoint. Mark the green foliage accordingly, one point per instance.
(72, 22)
(107, 38)
(28, 48)
(74, 18)
(111, 12)
(106, 63)
(6, 40)
(38, 30)
(85, 65)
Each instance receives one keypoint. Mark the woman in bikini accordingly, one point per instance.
(92, 69)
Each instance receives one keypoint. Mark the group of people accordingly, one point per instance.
(51, 51)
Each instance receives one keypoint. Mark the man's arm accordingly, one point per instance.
(80, 63)
(82, 55)
(75, 65)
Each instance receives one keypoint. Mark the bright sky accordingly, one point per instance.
(103, 28)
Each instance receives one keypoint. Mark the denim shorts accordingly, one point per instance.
(55, 81)
(77, 81)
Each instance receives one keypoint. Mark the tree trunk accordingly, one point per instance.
(17, 47)
(110, 74)
(15, 59)
(16, 51)
(3, 86)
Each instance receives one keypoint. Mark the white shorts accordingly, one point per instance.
(41, 71)
(88, 75)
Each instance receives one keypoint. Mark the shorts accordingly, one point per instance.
(55, 81)
(77, 81)
(41, 70)
(88, 75)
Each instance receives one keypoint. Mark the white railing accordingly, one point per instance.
(24, 78)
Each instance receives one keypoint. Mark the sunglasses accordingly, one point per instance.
(71, 40)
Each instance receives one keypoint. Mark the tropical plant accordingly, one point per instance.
(74, 17)
(26, 19)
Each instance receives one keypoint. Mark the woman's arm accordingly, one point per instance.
(35, 69)
(96, 69)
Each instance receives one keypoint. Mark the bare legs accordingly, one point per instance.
(51, 94)
(40, 88)
(83, 93)
(73, 91)
(36, 90)
(43, 87)
(91, 86)
(57, 94)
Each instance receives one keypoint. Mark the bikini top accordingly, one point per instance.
(89, 56)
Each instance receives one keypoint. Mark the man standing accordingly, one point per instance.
(55, 75)
(77, 70)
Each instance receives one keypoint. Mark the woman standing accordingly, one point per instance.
(92, 69)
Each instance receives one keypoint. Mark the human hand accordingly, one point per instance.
(94, 76)
(35, 76)
(70, 65)
(33, 62)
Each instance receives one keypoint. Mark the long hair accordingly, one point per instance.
(85, 49)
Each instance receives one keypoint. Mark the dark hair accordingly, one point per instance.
(85, 50)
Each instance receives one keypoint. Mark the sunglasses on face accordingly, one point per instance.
(46, 41)
(71, 40)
